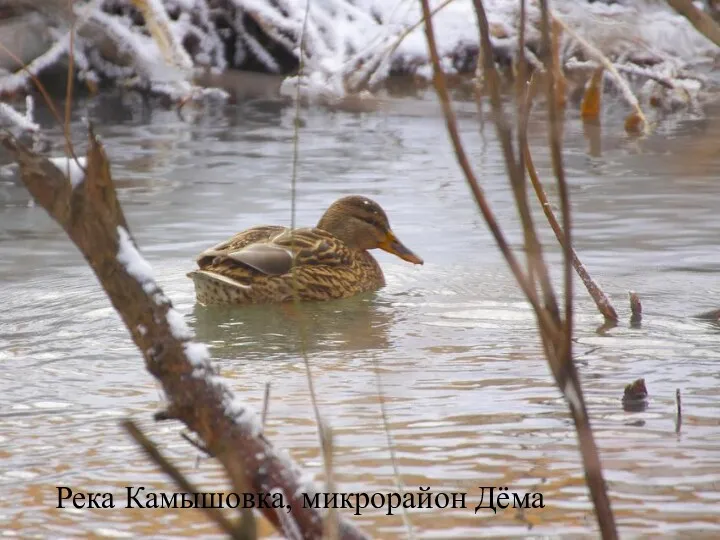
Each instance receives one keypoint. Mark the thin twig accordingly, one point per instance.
(332, 527)
(678, 417)
(546, 322)
(266, 404)
(535, 259)
(559, 170)
(46, 97)
(197, 445)
(69, 92)
(180, 480)
(376, 62)
(391, 448)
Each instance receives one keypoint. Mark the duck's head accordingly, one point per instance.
(362, 224)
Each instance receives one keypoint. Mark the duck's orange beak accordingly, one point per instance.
(392, 245)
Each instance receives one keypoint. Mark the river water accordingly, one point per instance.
(451, 345)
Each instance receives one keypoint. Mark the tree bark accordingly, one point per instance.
(91, 215)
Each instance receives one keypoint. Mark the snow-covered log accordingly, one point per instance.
(348, 45)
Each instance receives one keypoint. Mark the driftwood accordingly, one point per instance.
(92, 217)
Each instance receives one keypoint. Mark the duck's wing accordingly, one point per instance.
(238, 242)
(273, 253)
(314, 247)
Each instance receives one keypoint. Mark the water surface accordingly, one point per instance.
(452, 345)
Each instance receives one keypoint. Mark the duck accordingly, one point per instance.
(275, 264)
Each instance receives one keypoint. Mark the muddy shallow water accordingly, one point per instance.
(469, 398)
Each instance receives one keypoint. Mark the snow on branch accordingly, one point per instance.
(229, 429)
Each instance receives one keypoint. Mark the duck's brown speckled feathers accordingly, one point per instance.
(266, 264)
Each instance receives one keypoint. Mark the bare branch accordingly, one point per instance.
(93, 219)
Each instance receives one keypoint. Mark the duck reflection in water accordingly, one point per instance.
(262, 332)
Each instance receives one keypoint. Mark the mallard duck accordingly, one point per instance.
(330, 260)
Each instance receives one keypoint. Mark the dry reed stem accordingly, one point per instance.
(702, 22)
(560, 84)
(599, 297)
(151, 450)
(641, 121)
(331, 530)
(537, 267)
(69, 93)
(376, 62)
(391, 448)
(592, 98)
(555, 138)
(565, 372)
(331, 523)
(546, 321)
(556, 336)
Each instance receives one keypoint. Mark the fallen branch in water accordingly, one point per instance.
(599, 297)
(92, 217)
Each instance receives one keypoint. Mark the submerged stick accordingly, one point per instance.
(91, 215)
(635, 309)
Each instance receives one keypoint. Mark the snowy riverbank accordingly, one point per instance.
(350, 45)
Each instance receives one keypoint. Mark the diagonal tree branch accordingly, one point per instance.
(91, 215)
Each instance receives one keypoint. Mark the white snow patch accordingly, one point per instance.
(142, 329)
(572, 396)
(71, 168)
(24, 122)
(242, 413)
(130, 258)
(159, 298)
(178, 327)
(198, 354)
